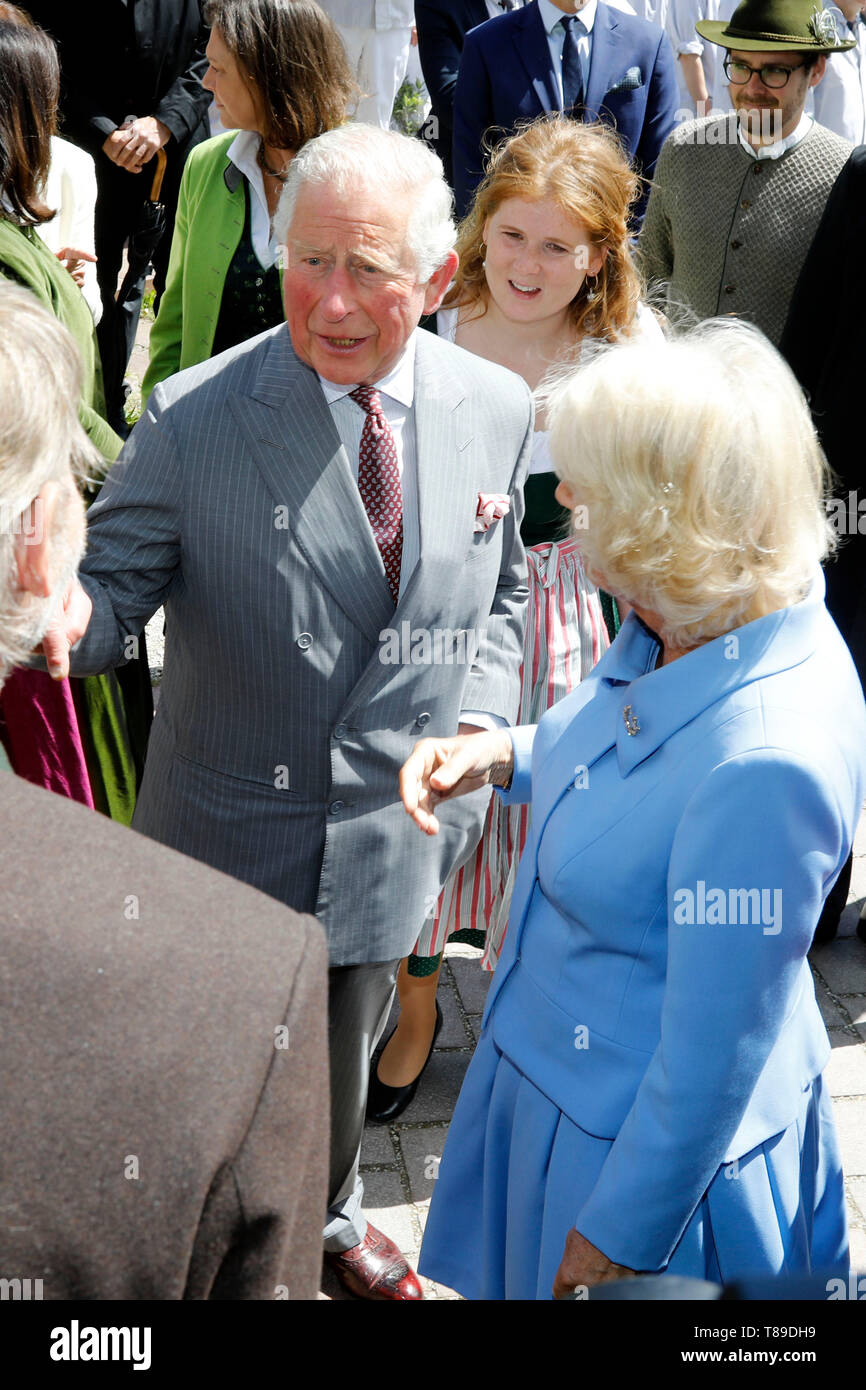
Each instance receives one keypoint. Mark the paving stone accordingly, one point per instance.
(849, 919)
(856, 1188)
(857, 890)
(856, 1007)
(437, 1095)
(438, 1291)
(858, 1252)
(453, 1033)
(376, 1146)
(850, 1116)
(830, 1011)
(386, 1208)
(472, 983)
(846, 1069)
(843, 965)
(422, 1149)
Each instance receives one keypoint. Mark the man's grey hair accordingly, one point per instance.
(390, 163)
(41, 440)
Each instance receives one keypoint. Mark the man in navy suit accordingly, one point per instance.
(442, 26)
(513, 68)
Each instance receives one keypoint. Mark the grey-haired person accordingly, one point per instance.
(313, 507)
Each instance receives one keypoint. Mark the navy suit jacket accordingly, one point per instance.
(506, 77)
(442, 26)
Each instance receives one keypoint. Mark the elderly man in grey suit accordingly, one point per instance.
(330, 515)
(163, 1071)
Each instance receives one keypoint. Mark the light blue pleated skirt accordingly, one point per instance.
(516, 1171)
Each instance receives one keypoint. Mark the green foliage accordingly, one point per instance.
(408, 113)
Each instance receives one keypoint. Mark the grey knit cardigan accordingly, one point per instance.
(728, 234)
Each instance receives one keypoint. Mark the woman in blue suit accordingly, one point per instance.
(646, 1094)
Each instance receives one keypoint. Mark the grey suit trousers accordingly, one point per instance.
(359, 1001)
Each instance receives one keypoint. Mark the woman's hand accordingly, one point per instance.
(73, 260)
(583, 1265)
(439, 768)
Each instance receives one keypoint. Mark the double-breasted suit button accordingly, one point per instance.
(304, 640)
(335, 808)
(340, 732)
(729, 289)
(735, 245)
(422, 721)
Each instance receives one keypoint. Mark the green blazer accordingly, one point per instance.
(25, 259)
(207, 232)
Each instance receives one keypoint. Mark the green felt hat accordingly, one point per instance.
(758, 26)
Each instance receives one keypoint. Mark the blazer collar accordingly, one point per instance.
(298, 451)
(663, 701)
(604, 58)
(591, 720)
(530, 40)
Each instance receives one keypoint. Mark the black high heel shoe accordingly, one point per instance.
(385, 1103)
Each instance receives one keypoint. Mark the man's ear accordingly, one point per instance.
(818, 71)
(33, 541)
(434, 291)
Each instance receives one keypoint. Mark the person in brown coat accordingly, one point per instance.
(164, 1064)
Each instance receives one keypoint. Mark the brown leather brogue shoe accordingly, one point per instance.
(375, 1269)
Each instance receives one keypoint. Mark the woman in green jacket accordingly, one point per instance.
(279, 75)
(84, 738)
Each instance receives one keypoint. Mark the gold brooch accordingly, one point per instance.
(631, 725)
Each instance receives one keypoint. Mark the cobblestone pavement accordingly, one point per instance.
(399, 1161)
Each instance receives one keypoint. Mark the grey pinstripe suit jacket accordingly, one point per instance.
(282, 723)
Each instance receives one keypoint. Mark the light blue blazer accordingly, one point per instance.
(654, 983)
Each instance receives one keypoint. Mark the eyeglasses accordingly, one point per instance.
(772, 77)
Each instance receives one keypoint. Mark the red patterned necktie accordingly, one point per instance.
(379, 484)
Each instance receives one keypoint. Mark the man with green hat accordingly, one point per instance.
(737, 198)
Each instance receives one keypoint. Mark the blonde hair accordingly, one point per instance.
(700, 473)
(583, 169)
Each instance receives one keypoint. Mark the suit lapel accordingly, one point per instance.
(604, 60)
(446, 502)
(447, 497)
(297, 449)
(530, 41)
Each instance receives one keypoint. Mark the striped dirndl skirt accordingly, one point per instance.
(565, 637)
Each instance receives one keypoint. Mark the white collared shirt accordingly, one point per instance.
(397, 393)
(778, 147)
(550, 17)
(243, 152)
(839, 100)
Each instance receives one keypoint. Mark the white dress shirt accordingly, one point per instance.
(397, 394)
(778, 147)
(839, 100)
(243, 153)
(550, 17)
